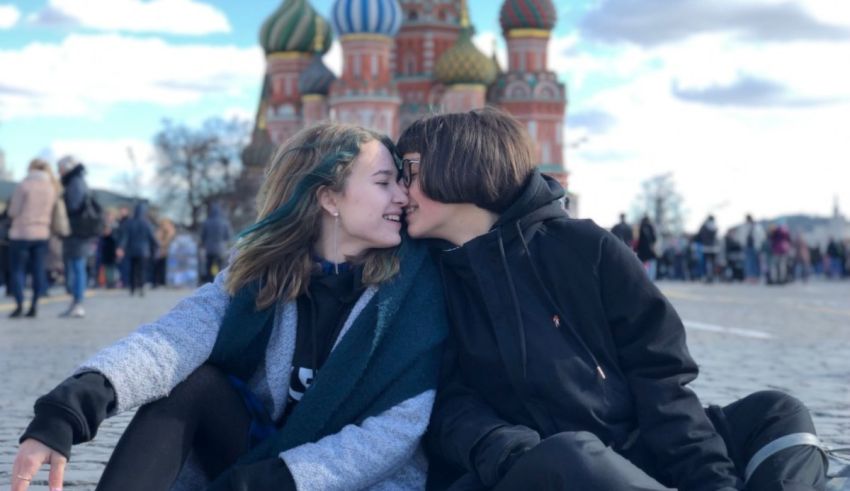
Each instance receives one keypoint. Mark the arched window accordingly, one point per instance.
(517, 91)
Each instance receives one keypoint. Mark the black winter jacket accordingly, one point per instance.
(556, 327)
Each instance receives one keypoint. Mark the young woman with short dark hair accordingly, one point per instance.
(566, 368)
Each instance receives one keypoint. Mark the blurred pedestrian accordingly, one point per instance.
(165, 233)
(138, 243)
(816, 257)
(77, 247)
(707, 236)
(5, 271)
(646, 246)
(780, 248)
(215, 235)
(834, 254)
(123, 262)
(623, 231)
(735, 257)
(108, 251)
(31, 210)
(752, 236)
(802, 259)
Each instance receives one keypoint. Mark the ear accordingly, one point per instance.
(327, 200)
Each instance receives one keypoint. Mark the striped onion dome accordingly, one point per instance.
(527, 14)
(366, 17)
(463, 63)
(294, 26)
(316, 78)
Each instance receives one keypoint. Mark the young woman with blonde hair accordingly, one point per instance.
(31, 210)
(309, 363)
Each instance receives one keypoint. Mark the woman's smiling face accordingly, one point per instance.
(371, 204)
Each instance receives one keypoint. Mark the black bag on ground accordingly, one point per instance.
(87, 221)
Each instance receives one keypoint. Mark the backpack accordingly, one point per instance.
(87, 222)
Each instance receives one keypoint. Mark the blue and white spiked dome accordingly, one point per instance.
(366, 17)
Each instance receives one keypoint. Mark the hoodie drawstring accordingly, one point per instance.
(556, 318)
(515, 299)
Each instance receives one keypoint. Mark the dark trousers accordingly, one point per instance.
(137, 274)
(159, 271)
(24, 254)
(214, 265)
(579, 460)
(204, 416)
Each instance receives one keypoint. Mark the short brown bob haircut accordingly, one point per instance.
(482, 157)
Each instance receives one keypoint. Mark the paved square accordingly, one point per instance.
(794, 338)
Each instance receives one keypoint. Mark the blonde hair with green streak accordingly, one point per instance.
(277, 249)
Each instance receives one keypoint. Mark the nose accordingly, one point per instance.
(400, 195)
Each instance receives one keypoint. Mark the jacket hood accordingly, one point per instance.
(540, 199)
(78, 170)
(214, 211)
(140, 210)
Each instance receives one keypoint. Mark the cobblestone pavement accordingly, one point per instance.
(746, 338)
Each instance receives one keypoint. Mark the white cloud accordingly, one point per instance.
(188, 17)
(9, 15)
(87, 73)
(730, 153)
(108, 163)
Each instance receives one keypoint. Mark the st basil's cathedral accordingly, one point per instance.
(404, 59)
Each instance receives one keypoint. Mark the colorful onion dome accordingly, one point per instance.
(294, 26)
(366, 17)
(316, 78)
(527, 14)
(463, 63)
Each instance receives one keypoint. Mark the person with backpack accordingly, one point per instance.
(83, 214)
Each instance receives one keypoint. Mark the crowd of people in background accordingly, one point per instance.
(753, 252)
(54, 233)
(46, 239)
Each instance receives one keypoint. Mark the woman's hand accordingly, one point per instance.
(31, 455)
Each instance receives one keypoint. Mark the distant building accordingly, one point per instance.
(403, 59)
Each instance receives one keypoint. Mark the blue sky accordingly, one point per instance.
(743, 101)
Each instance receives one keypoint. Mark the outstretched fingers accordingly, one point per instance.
(31, 455)
(57, 471)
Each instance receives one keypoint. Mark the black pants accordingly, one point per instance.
(214, 264)
(579, 460)
(160, 271)
(138, 273)
(204, 415)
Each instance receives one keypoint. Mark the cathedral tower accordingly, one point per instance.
(528, 90)
(465, 71)
(366, 93)
(429, 29)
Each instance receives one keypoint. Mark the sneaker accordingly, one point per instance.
(78, 312)
(16, 313)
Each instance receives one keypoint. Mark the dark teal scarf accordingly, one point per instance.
(390, 354)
